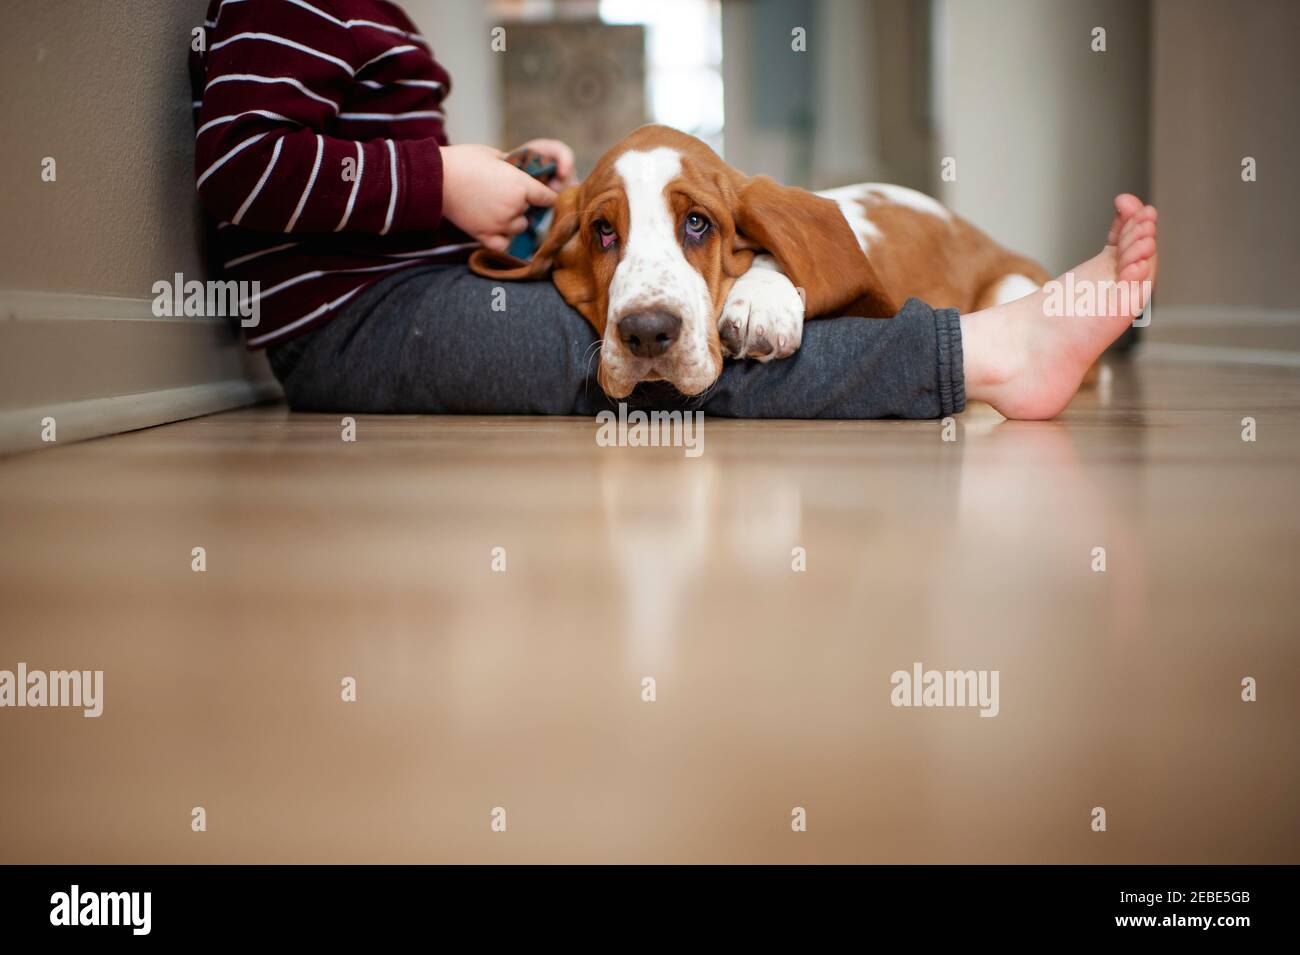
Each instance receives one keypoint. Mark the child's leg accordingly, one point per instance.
(908, 366)
(438, 340)
(430, 341)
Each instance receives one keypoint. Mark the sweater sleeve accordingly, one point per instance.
(277, 74)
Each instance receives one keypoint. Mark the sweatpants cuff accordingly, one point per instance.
(952, 371)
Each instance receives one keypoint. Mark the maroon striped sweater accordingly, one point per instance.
(318, 127)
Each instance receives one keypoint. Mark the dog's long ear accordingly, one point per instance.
(814, 246)
(562, 254)
(564, 226)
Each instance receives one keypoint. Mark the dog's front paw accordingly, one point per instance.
(762, 317)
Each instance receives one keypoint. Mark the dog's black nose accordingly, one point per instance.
(649, 334)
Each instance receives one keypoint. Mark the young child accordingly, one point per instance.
(320, 151)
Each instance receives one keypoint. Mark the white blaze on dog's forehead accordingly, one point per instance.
(653, 272)
(645, 175)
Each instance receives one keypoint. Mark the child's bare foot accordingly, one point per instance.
(1027, 357)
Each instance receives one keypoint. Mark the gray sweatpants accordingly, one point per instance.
(428, 341)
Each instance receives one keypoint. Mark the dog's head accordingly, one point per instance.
(649, 245)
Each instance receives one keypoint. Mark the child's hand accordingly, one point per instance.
(486, 197)
(561, 155)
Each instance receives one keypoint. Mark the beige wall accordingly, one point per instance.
(901, 79)
(1028, 111)
(459, 32)
(840, 145)
(1044, 131)
(1226, 84)
(102, 88)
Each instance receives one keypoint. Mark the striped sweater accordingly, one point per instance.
(317, 151)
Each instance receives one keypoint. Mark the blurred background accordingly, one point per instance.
(1038, 126)
(1044, 130)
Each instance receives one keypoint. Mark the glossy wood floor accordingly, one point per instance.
(523, 689)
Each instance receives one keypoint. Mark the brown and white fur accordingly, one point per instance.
(671, 299)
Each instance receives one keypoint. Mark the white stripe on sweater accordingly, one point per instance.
(285, 329)
(417, 254)
(258, 254)
(332, 19)
(222, 9)
(292, 44)
(234, 116)
(436, 250)
(275, 157)
(387, 53)
(405, 34)
(349, 24)
(254, 78)
(311, 182)
(320, 13)
(392, 195)
(356, 187)
(387, 117)
(299, 322)
(423, 84)
(227, 157)
(321, 273)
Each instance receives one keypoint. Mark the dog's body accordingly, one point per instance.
(677, 259)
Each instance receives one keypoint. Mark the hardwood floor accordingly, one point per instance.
(522, 689)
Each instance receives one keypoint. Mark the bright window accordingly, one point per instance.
(683, 61)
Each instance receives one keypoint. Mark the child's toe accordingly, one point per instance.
(1139, 250)
(1130, 231)
(1126, 204)
(1135, 271)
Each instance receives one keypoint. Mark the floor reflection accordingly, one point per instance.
(674, 525)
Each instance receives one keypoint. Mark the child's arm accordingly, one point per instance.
(263, 161)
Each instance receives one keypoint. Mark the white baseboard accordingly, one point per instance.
(1217, 355)
(27, 306)
(1215, 315)
(22, 430)
(100, 365)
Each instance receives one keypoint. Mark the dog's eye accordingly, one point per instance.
(605, 232)
(696, 226)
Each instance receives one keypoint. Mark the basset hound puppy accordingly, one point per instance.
(678, 260)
